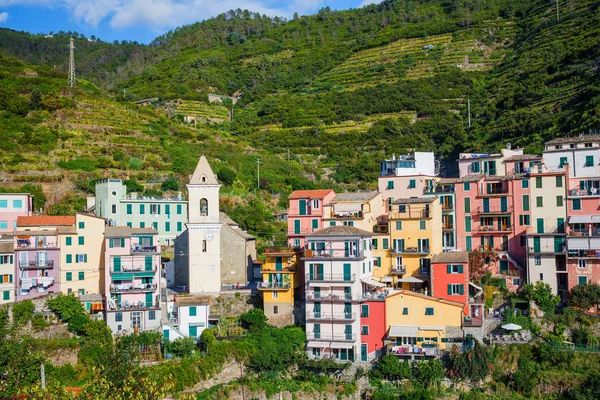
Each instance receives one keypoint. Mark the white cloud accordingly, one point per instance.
(368, 2)
(3, 17)
(165, 14)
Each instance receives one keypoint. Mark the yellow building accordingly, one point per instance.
(82, 255)
(415, 226)
(280, 274)
(417, 321)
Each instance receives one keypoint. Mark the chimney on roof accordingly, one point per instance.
(133, 196)
(179, 197)
(508, 146)
(393, 156)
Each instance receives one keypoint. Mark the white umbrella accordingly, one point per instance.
(512, 327)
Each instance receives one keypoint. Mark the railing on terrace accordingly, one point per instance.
(381, 228)
(438, 189)
(470, 322)
(23, 245)
(495, 228)
(36, 264)
(347, 214)
(272, 269)
(493, 191)
(273, 285)
(411, 250)
(132, 269)
(447, 206)
(133, 306)
(494, 210)
(399, 270)
(321, 316)
(583, 253)
(348, 337)
(144, 249)
(373, 296)
(133, 288)
(448, 227)
(410, 214)
(320, 296)
(584, 232)
(584, 192)
(334, 278)
(333, 253)
(510, 272)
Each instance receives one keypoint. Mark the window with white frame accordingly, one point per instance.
(538, 260)
(275, 294)
(581, 264)
(315, 204)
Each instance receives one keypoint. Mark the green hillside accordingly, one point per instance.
(323, 97)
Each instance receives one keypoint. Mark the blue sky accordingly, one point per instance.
(141, 20)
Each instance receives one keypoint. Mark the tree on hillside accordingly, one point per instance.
(480, 261)
(541, 293)
(471, 364)
(585, 296)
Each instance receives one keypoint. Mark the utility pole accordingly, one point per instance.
(469, 110)
(43, 373)
(557, 14)
(72, 80)
(258, 174)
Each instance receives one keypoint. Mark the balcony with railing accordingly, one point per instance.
(334, 253)
(586, 232)
(128, 268)
(372, 296)
(584, 192)
(494, 210)
(590, 253)
(331, 337)
(438, 189)
(398, 270)
(494, 190)
(331, 278)
(471, 322)
(448, 227)
(133, 288)
(495, 228)
(344, 215)
(126, 305)
(322, 316)
(36, 243)
(410, 250)
(273, 285)
(381, 228)
(410, 214)
(330, 297)
(144, 249)
(36, 264)
(447, 206)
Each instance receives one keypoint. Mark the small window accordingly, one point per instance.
(390, 184)
(119, 317)
(81, 240)
(559, 201)
(581, 263)
(69, 276)
(589, 161)
(538, 260)
(204, 246)
(538, 182)
(386, 243)
(82, 225)
(315, 204)
(3, 203)
(113, 208)
(402, 208)
(576, 204)
(412, 184)
(152, 315)
(405, 311)
(69, 258)
(429, 311)
(81, 276)
(275, 294)
(364, 310)
(525, 184)
(17, 203)
(275, 310)
(129, 209)
(398, 225)
(582, 280)
(364, 330)
(587, 145)
(69, 240)
(467, 186)
(539, 201)
(179, 226)
(193, 311)
(179, 209)
(559, 181)
(423, 225)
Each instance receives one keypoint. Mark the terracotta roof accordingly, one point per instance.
(340, 230)
(470, 178)
(415, 200)
(42, 220)
(125, 231)
(310, 194)
(523, 157)
(192, 300)
(451, 257)
(578, 139)
(424, 296)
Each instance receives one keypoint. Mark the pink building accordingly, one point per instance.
(305, 214)
(494, 213)
(37, 255)
(132, 279)
(12, 206)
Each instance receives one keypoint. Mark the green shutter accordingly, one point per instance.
(296, 226)
(536, 244)
(81, 240)
(467, 186)
(559, 181)
(315, 224)
(449, 268)
(117, 264)
(167, 209)
(302, 207)
(461, 289)
(589, 161)
(148, 299)
(538, 182)
(467, 201)
(560, 223)
(129, 209)
(469, 243)
(178, 208)
(525, 202)
(148, 263)
(563, 161)
(142, 208)
(540, 225)
(468, 224)
(69, 276)
(69, 258)
(449, 292)
(69, 240)
(460, 269)
(167, 226)
(81, 276)
(576, 204)
(486, 204)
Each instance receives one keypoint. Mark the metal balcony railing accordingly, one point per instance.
(36, 264)
(333, 278)
(348, 337)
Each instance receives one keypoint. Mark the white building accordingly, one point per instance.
(189, 317)
(419, 163)
(338, 263)
(198, 251)
(582, 153)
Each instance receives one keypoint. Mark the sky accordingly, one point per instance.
(142, 20)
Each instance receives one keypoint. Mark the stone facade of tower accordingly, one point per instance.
(204, 231)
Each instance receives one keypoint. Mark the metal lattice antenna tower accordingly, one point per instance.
(72, 80)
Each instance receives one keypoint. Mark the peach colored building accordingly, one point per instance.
(306, 213)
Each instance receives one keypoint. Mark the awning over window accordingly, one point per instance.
(403, 331)
(431, 328)
(387, 279)
(584, 219)
(369, 281)
(410, 279)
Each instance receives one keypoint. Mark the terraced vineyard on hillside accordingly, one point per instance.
(472, 49)
(202, 111)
